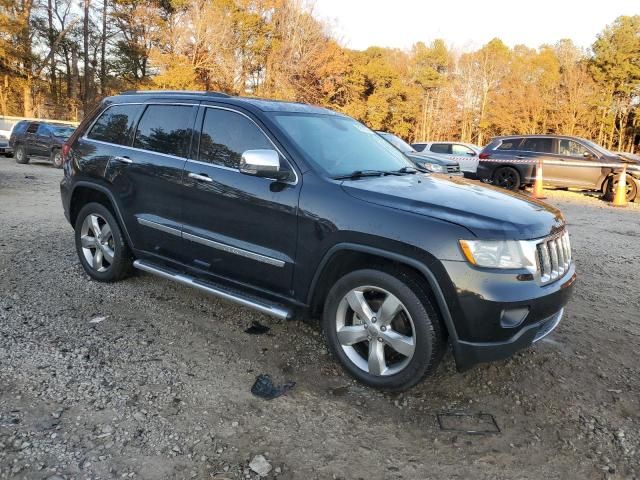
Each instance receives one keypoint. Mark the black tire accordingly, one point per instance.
(507, 177)
(429, 336)
(20, 154)
(612, 183)
(56, 157)
(110, 271)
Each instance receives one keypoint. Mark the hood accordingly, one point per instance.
(488, 212)
(431, 158)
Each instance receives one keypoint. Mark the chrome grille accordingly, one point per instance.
(453, 168)
(554, 257)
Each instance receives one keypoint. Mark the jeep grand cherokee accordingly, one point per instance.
(292, 209)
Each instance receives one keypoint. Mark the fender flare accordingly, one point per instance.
(112, 200)
(396, 257)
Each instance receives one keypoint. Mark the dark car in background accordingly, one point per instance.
(43, 139)
(292, 209)
(432, 162)
(575, 162)
(5, 148)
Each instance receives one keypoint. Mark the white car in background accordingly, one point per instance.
(466, 154)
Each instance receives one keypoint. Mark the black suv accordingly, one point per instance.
(288, 208)
(510, 162)
(39, 139)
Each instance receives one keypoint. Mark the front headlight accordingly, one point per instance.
(434, 167)
(505, 254)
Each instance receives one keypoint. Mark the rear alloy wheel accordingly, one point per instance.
(507, 177)
(612, 185)
(383, 329)
(101, 247)
(20, 154)
(56, 158)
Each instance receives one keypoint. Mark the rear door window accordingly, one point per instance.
(165, 129)
(226, 136)
(115, 123)
(510, 144)
(43, 130)
(33, 127)
(419, 146)
(538, 145)
(440, 148)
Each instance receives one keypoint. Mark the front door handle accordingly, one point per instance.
(123, 159)
(520, 157)
(202, 178)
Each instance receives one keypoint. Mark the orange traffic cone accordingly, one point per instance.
(620, 199)
(538, 191)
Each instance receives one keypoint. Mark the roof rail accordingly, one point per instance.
(175, 92)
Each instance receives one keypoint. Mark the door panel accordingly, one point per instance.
(147, 177)
(238, 226)
(573, 169)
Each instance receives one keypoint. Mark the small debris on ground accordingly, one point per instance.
(264, 387)
(260, 465)
(257, 328)
(98, 319)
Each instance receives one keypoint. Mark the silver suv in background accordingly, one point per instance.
(466, 154)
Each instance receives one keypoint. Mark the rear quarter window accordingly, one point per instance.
(114, 124)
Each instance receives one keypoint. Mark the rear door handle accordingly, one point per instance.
(202, 178)
(519, 157)
(123, 159)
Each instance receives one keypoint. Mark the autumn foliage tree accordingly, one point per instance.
(58, 58)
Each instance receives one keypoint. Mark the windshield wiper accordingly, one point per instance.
(366, 173)
(407, 170)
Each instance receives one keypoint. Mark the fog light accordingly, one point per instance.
(512, 317)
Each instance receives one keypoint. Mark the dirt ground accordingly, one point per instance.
(160, 387)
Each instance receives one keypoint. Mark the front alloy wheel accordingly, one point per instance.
(375, 330)
(381, 326)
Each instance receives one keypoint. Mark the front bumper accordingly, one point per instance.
(5, 150)
(495, 314)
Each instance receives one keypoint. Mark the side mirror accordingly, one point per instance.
(472, 154)
(587, 155)
(262, 163)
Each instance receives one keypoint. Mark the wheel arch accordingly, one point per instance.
(86, 192)
(345, 257)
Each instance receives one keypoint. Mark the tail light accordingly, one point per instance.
(484, 156)
(66, 148)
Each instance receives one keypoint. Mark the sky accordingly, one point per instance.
(466, 24)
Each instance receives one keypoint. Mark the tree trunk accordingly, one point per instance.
(87, 68)
(103, 48)
(28, 96)
(52, 38)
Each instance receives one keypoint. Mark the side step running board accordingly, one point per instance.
(218, 291)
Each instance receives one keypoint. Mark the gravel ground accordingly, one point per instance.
(149, 379)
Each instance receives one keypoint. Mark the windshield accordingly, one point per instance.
(340, 145)
(397, 142)
(62, 131)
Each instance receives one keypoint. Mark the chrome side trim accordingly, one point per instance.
(269, 309)
(213, 244)
(159, 226)
(234, 250)
(550, 326)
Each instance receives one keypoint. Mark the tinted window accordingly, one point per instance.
(571, 148)
(165, 129)
(114, 124)
(20, 127)
(419, 146)
(539, 145)
(510, 144)
(226, 135)
(33, 127)
(440, 148)
(43, 129)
